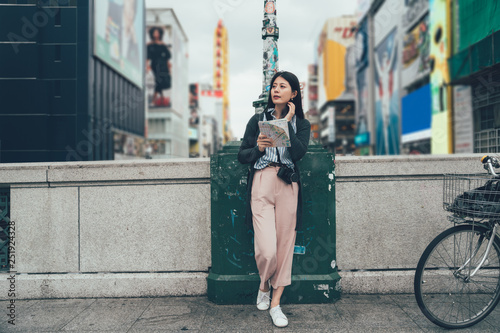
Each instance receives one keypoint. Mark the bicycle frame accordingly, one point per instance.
(476, 250)
(491, 170)
(457, 279)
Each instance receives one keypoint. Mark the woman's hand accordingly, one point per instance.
(264, 142)
(291, 111)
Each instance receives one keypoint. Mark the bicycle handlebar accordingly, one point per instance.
(490, 163)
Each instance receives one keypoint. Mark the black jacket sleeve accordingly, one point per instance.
(249, 152)
(300, 140)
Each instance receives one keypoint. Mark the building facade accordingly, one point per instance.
(475, 75)
(74, 79)
(394, 80)
(364, 118)
(335, 85)
(211, 120)
(312, 93)
(416, 100)
(167, 85)
(444, 81)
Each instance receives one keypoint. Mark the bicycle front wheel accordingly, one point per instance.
(446, 291)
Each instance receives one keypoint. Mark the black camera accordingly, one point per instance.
(288, 175)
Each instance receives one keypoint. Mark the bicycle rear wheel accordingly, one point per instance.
(447, 295)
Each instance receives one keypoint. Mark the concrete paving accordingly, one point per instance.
(353, 313)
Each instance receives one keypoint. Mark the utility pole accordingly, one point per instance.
(270, 35)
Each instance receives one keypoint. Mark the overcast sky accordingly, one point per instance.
(300, 23)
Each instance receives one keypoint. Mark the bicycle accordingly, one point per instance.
(457, 280)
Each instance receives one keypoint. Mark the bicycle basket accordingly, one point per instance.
(473, 196)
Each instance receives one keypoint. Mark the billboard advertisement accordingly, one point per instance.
(166, 63)
(361, 45)
(440, 91)
(416, 115)
(128, 146)
(158, 65)
(362, 108)
(414, 9)
(415, 60)
(386, 62)
(119, 36)
(387, 96)
(337, 35)
(462, 120)
(387, 17)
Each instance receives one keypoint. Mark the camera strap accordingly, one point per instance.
(278, 153)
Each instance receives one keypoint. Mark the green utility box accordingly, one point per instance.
(233, 277)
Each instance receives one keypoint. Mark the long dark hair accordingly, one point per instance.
(295, 85)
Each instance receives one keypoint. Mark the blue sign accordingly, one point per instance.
(362, 139)
(416, 115)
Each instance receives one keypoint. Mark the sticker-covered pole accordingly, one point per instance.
(270, 35)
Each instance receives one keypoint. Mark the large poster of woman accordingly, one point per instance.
(158, 66)
(387, 96)
(119, 36)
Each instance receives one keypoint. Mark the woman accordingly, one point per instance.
(274, 207)
(159, 62)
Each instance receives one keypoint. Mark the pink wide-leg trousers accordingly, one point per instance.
(274, 211)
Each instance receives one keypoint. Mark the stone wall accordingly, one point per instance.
(142, 228)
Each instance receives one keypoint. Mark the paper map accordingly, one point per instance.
(277, 130)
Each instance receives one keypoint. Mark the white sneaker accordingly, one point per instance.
(279, 319)
(263, 300)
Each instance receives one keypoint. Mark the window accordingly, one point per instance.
(486, 106)
(157, 126)
(487, 141)
(487, 118)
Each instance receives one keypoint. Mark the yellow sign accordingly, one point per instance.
(441, 142)
(336, 36)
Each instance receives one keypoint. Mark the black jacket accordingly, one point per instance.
(250, 153)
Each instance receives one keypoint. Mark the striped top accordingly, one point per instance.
(271, 155)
